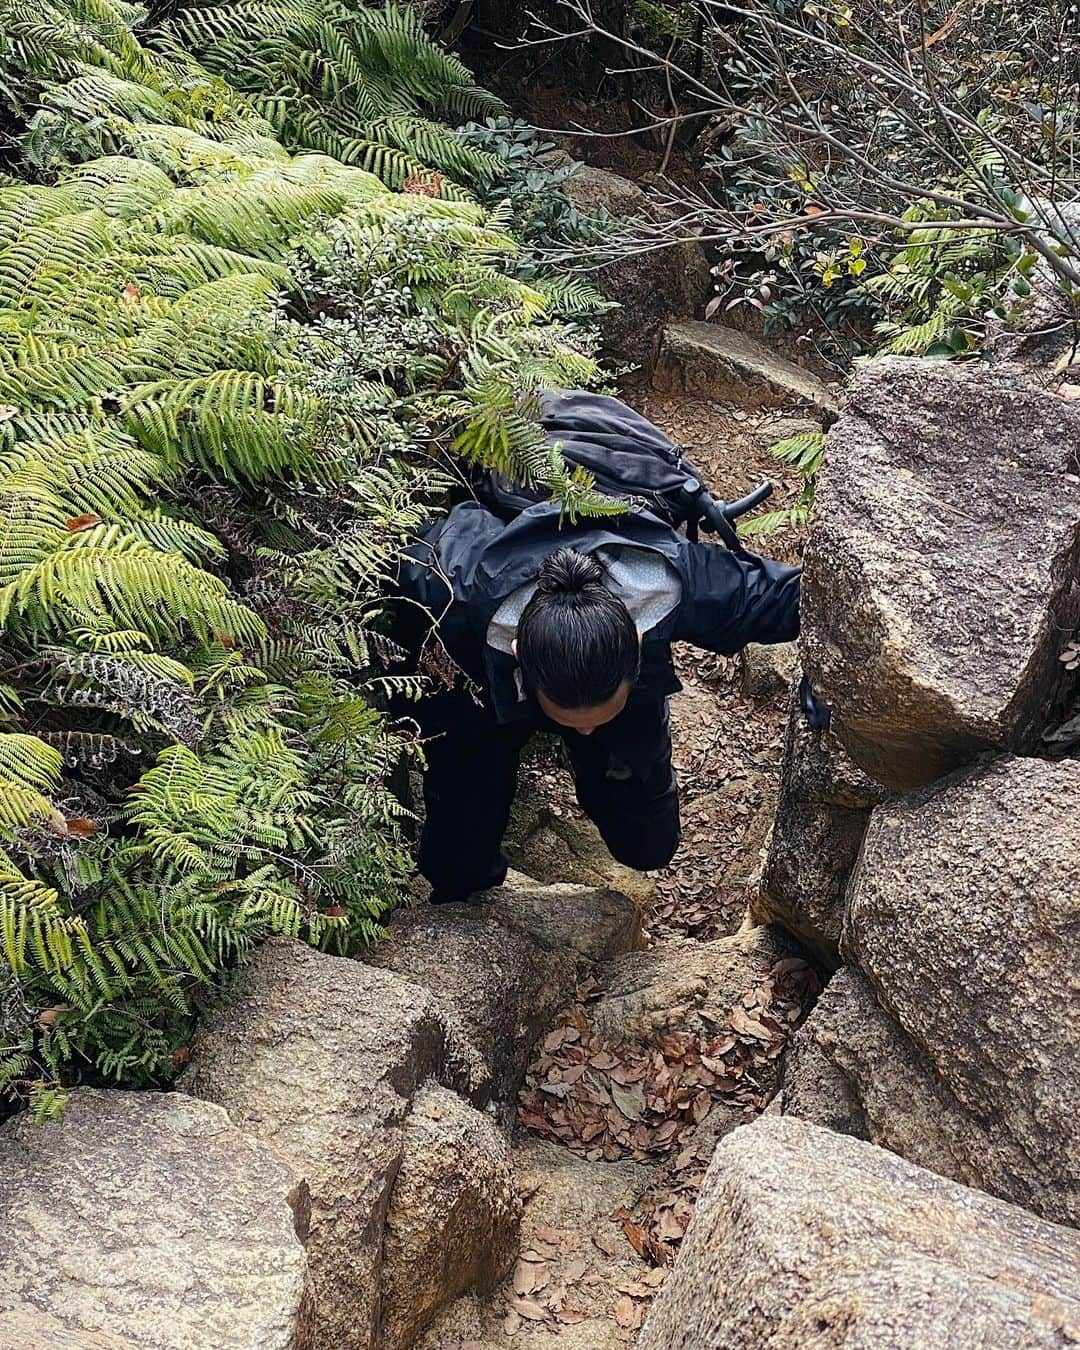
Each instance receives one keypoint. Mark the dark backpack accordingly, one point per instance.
(628, 457)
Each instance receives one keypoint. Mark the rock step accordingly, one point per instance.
(569, 1202)
(707, 360)
(373, 1079)
(319, 1057)
(148, 1219)
(504, 966)
(365, 1098)
(805, 1238)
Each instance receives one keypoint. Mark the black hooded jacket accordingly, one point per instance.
(466, 565)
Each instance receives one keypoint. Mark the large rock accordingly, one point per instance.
(502, 967)
(943, 568)
(853, 1069)
(804, 1239)
(555, 849)
(821, 817)
(731, 367)
(319, 1057)
(148, 1219)
(454, 1215)
(962, 913)
(649, 287)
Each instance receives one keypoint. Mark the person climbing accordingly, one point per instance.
(566, 627)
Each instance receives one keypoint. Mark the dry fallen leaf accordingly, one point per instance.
(530, 1275)
(629, 1100)
(605, 1244)
(527, 1308)
(627, 1313)
(77, 524)
(80, 828)
(635, 1235)
(749, 1026)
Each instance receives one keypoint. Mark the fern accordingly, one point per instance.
(942, 285)
(806, 453)
(345, 80)
(223, 367)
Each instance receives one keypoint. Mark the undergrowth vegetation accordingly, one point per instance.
(232, 362)
(896, 177)
(899, 175)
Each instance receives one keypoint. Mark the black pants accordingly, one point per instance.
(622, 773)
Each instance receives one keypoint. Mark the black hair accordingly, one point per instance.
(576, 641)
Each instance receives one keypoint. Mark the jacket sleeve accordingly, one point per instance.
(437, 567)
(729, 600)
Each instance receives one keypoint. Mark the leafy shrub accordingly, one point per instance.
(837, 134)
(223, 370)
(938, 293)
(532, 179)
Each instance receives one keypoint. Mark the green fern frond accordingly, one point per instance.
(125, 583)
(348, 81)
(29, 761)
(804, 452)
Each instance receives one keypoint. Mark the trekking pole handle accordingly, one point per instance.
(761, 493)
(720, 516)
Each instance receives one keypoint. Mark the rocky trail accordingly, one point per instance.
(813, 1085)
(667, 1048)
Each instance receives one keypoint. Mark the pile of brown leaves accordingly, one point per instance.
(610, 1100)
(664, 1212)
(554, 1284)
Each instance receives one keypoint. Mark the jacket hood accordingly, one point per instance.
(513, 559)
(515, 555)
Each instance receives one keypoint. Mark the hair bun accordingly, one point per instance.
(568, 572)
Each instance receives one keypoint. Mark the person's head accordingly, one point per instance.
(577, 645)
